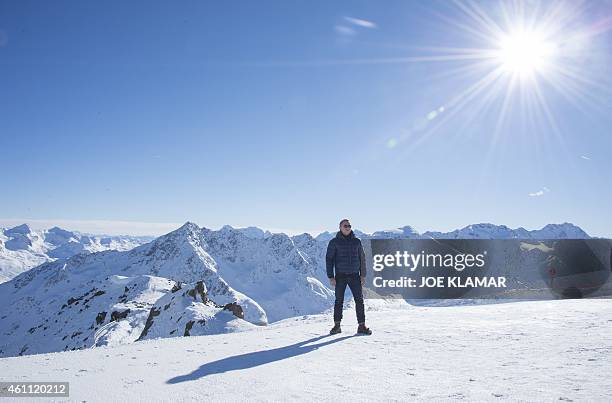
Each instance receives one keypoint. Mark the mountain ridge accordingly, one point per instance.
(110, 297)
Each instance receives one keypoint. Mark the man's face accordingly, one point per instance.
(345, 227)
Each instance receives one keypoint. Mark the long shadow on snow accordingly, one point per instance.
(254, 359)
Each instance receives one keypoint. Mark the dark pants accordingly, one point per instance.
(354, 283)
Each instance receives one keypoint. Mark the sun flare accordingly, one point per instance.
(513, 58)
(525, 53)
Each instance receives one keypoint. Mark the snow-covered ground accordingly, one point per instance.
(522, 351)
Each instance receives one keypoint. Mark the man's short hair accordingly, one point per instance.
(343, 220)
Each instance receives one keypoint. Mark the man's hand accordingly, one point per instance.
(362, 280)
(332, 281)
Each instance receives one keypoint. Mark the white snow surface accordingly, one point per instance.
(519, 351)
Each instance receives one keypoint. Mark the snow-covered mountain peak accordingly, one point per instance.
(303, 238)
(564, 230)
(255, 232)
(58, 236)
(402, 232)
(23, 229)
(185, 239)
(407, 229)
(325, 236)
(187, 229)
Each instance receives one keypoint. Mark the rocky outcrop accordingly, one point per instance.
(189, 311)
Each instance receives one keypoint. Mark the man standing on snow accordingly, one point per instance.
(345, 252)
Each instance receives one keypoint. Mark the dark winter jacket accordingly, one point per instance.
(346, 254)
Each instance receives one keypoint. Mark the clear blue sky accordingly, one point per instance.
(291, 115)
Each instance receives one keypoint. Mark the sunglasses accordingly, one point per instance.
(346, 225)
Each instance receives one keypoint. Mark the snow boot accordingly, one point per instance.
(336, 329)
(362, 329)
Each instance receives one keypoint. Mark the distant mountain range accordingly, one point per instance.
(22, 248)
(88, 290)
(476, 231)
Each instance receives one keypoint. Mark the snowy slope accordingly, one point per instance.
(106, 297)
(189, 312)
(285, 275)
(22, 248)
(526, 351)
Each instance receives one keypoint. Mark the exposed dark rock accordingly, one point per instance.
(100, 318)
(188, 327)
(234, 308)
(116, 315)
(152, 314)
(72, 300)
(200, 290)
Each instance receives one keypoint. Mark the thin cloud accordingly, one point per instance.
(584, 157)
(361, 22)
(540, 192)
(344, 30)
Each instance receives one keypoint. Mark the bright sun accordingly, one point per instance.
(525, 52)
(520, 53)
